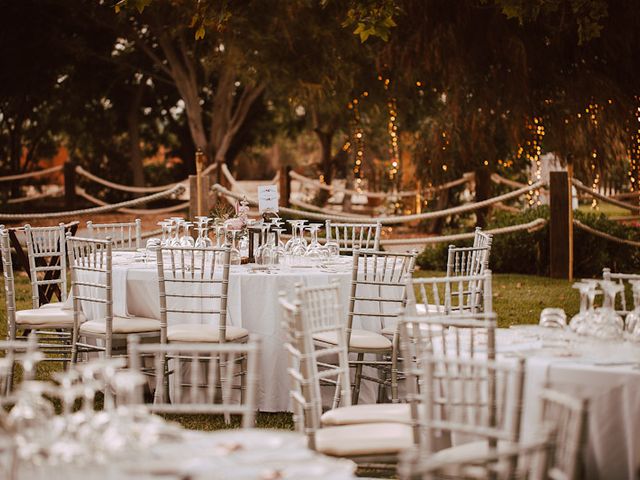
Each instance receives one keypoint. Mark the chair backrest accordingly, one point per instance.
(378, 287)
(205, 376)
(568, 415)
(622, 306)
(193, 282)
(452, 294)
(516, 461)
(124, 235)
(351, 235)
(468, 336)
(478, 398)
(308, 314)
(47, 260)
(470, 260)
(91, 282)
(9, 285)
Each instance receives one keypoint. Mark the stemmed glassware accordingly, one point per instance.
(296, 235)
(186, 240)
(632, 322)
(315, 250)
(235, 256)
(608, 324)
(578, 320)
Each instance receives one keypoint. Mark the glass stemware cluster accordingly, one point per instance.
(298, 251)
(603, 322)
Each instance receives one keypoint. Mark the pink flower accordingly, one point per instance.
(234, 224)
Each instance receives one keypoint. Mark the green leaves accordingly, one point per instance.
(372, 18)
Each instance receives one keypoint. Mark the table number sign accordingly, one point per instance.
(268, 198)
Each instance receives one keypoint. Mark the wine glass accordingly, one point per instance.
(315, 250)
(234, 254)
(186, 240)
(632, 322)
(582, 316)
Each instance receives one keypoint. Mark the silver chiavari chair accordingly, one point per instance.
(475, 402)
(203, 374)
(371, 444)
(568, 416)
(124, 235)
(193, 285)
(451, 294)
(378, 296)
(350, 235)
(91, 281)
(320, 312)
(46, 249)
(53, 326)
(470, 260)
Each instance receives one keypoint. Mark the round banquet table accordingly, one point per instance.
(252, 303)
(606, 373)
(240, 454)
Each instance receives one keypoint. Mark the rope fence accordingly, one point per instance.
(176, 190)
(21, 176)
(119, 186)
(583, 188)
(531, 227)
(604, 235)
(136, 211)
(53, 194)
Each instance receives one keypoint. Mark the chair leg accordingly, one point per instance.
(74, 347)
(357, 379)
(394, 369)
(243, 378)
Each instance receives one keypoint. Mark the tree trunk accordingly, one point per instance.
(133, 122)
(483, 192)
(326, 163)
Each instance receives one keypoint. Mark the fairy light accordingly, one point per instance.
(392, 130)
(592, 112)
(532, 151)
(634, 150)
(356, 144)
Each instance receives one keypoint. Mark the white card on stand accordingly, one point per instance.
(268, 198)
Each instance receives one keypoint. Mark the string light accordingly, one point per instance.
(392, 129)
(531, 151)
(357, 140)
(634, 150)
(592, 112)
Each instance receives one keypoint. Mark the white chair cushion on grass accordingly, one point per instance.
(122, 325)
(374, 413)
(203, 333)
(46, 318)
(363, 339)
(365, 439)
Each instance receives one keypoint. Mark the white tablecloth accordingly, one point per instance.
(252, 304)
(608, 374)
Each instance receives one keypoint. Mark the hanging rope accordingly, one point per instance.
(412, 193)
(176, 190)
(56, 193)
(315, 208)
(138, 211)
(604, 235)
(499, 179)
(531, 227)
(405, 218)
(580, 186)
(119, 186)
(39, 173)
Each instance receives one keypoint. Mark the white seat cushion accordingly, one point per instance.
(360, 339)
(122, 325)
(46, 318)
(389, 331)
(203, 333)
(365, 439)
(55, 305)
(467, 452)
(374, 413)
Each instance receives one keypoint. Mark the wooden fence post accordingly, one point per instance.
(560, 226)
(69, 171)
(202, 205)
(285, 186)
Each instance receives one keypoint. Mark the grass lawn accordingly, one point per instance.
(517, 299)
